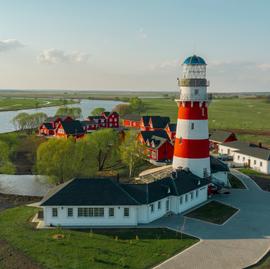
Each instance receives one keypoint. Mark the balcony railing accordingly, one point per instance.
(193, 83)
(205, 98)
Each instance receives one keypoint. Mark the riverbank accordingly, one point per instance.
(14, 104)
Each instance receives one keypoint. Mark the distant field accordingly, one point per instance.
(25, 103)
(250, 118)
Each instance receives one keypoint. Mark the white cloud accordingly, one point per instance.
(166, 65)
(142, 34)
(264, 67)
(10, 44)
(55, 56)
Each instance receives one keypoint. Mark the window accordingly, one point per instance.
(111, 212)
(152, 207)
(192, 126)
(115, 119)
(70, 212)
(254, 161)
(238, 157)
(196, 91)
(243, 158)
(186, 198)
(90, 212)
(54, 212)
(181, 200)
(126, 212)
(203, 112)
(167, 205)
(205, 172)
(191, 195)
(260, 164)
(197, 193)
(159, 205)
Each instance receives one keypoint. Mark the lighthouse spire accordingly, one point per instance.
(191, 148)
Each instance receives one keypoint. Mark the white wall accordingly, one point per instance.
(226, 150)
(64, 220)
(257, 164)
(220, 177)
(137, 214)
(189, 93)
(196, 166)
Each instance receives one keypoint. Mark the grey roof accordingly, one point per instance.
(219, 136)
(133, 117)
(159, 122)
(105, 191)
(148, 135)
(73, 127)
(251, 150)
(89, 191)
(217, 165)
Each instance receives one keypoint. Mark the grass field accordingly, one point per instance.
(7, 104)
(213, 212)
(85, 249)
(249, 118)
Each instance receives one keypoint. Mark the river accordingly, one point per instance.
(86, 106)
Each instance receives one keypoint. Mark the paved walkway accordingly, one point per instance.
(240, 242)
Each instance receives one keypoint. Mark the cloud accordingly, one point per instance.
(263, 67)
(142, 34)
(166, 65)
(55, 56)
(10, 44)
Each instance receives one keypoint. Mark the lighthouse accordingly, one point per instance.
(191, 148)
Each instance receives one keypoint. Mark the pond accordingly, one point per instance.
(30, 185)
(86, 105)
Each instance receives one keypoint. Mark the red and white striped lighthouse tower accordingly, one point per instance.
(191, 148)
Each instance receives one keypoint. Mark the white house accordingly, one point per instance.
(246, 154)
(105, 202)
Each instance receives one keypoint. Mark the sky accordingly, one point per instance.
(133, 45)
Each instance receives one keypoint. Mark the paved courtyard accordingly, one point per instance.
(240, 242)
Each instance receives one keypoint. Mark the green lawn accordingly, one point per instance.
(86, 249)
(234, 113)
(238, 114)
(235, 182)
(25, 103)
(213, 212)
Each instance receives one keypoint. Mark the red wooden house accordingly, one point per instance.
(89, 125)
(46, 129)
(171, 130)
(217, 137)
(69, 128)
(131, 120)
(111, 119)
(158, 145)
(56, 119)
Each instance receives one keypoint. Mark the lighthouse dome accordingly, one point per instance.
(194, 60)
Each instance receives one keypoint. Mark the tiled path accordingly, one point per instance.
(238, 243)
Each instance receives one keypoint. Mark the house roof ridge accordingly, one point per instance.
(124, 191)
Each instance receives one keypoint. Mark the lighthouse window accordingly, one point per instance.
(196, 91)
(203, 111)
(192, 126)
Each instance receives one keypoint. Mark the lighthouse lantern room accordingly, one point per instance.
(192, 136)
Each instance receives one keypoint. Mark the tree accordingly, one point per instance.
(74, 112)
(24, 121)
(63, 159)
(20, 121)
(122, 109)
(104, 144)
(136, 104)
(6, 166)
(97, 111)
(132, 152)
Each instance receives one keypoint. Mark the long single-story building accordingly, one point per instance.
(105, 202)
(246, 154)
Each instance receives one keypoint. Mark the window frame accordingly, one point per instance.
(111, 209)
(68, 212)
(54, 209)
(126, 212)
